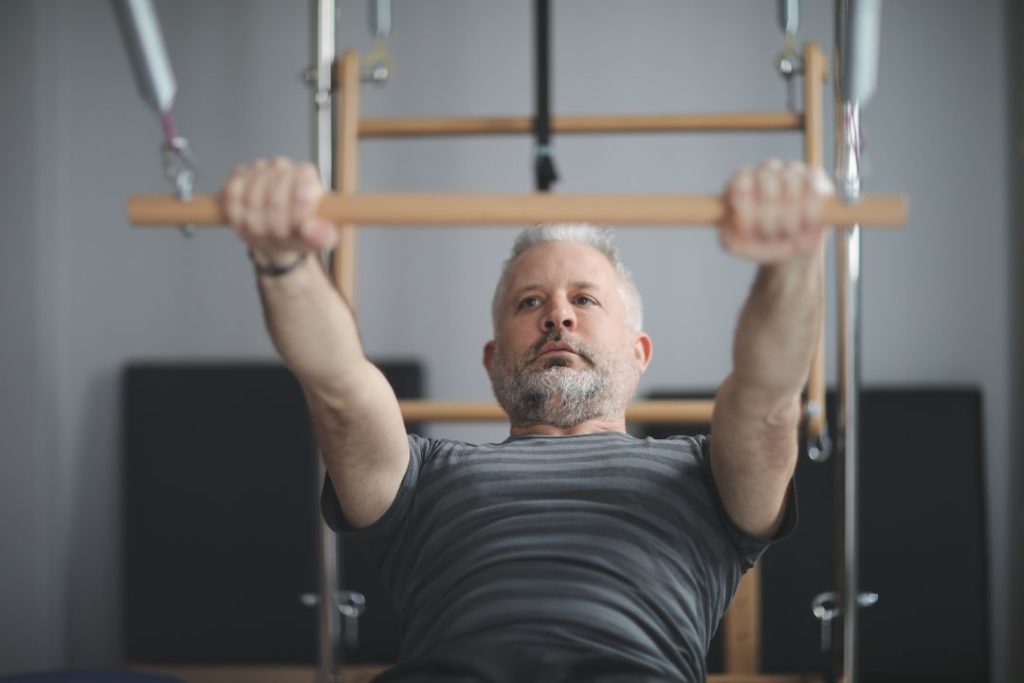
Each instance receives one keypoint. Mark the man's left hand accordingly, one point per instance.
(774, 211)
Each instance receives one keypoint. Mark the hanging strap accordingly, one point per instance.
(544, 166)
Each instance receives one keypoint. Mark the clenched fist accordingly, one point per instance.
(271, 204)
(775, 211)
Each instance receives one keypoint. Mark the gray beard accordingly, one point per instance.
(558, 395)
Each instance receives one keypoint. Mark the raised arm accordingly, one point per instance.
(355, 414)
(774, 221)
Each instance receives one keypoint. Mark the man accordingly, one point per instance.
(571, 551)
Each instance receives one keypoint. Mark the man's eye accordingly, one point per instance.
(530, 302)
(584, 300)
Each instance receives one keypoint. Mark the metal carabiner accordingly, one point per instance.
(179, 166)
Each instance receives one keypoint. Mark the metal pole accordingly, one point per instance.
(852, 85)
(858, 27)
(847, 485)
(324, 12)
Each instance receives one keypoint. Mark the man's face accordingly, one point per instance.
(562, 353)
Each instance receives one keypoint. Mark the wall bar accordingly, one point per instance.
(815, 71)
(654, 411)
(873, 210)
(522, 125)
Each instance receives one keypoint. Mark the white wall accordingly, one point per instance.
(30, 600)
(936, 297)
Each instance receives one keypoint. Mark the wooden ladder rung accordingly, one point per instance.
(610, 123)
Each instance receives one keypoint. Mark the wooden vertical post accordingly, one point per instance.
(742, 627)
(814, 76)
(346, 168)
(742, 630)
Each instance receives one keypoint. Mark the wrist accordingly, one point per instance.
(278, 263)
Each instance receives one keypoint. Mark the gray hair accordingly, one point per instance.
(599, 238)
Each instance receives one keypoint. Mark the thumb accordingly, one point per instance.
(320, 233)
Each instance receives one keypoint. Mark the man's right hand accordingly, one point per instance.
(271, 205)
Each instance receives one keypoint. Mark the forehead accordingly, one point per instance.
(552, 264)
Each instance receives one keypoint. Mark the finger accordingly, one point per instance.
(306, 193)
(821, 182)
(253, 199)
(319, 233)
(740, 199)
(818, 189)
(758, 251)
(810, 242)
(277, 206)
(768, 218)
(233, 198)
(791, 207)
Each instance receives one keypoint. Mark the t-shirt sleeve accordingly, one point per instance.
(389, 524)
(748, 546)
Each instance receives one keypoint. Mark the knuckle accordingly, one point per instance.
(306, 195)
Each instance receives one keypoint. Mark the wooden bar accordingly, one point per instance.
(414, 209)
(521, 125)
(346, 170)
(697, 411)
(815, 71)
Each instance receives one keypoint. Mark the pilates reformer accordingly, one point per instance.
(855, 65)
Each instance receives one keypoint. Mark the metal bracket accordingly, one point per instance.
(790, 64)
(819, 449)
(351, 605)
(825, 607)
(378, 64)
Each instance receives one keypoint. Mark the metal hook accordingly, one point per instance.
(180, 169)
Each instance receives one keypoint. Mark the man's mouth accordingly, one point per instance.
(556, 347)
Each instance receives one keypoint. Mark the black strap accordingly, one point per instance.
(544, 165)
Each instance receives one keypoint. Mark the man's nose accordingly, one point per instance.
(560, 316)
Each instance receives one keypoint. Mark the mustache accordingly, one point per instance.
(558, 336)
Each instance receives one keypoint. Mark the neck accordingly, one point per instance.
(586, 427)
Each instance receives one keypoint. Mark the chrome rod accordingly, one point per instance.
(140, 29)
(861, 29)
(324, 29)
(789, 16)
(848, 184)
(848, 433)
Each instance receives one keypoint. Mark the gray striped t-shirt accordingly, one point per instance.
(588, 557)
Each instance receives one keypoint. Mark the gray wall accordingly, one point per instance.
(83, 293)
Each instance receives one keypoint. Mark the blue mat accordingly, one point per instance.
(88, 677)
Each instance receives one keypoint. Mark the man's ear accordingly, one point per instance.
(489, 355)
(643, 348)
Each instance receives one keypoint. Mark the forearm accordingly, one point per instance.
(313, 330)
(779, 329)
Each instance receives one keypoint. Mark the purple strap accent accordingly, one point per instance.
(170, 132)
